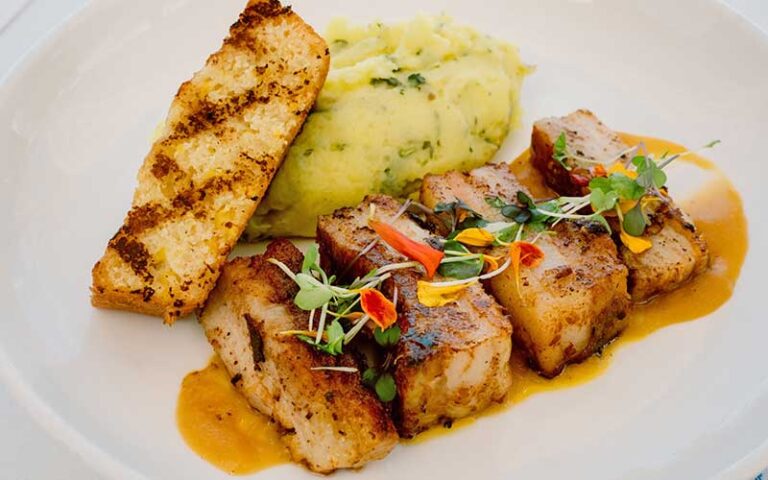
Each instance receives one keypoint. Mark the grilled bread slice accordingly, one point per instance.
(568, 306)
(451, 361)
(332, 419)
(226, 133)
(678, 253)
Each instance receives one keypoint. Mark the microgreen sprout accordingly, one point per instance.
(319, 292)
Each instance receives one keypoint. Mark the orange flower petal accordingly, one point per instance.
(599, 171)
(524, 254)
(634, 244)
(619, 167)
(627, 205)
(420, 252)
(381, 310)
(493, 262)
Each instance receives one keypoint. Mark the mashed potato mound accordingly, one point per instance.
(400, 101)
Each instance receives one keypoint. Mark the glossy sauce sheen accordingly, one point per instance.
(247, 441)
(718, 214)
(218, 424)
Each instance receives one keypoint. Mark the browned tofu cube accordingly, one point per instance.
(332, 419)
(568, 306)
(678, 253)
(585, 136)
(452, 360)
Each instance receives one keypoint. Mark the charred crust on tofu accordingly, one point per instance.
(257, 344)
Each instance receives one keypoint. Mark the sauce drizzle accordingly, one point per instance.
(718, 213)
(217, 422)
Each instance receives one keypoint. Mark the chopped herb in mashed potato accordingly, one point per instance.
(400, 101)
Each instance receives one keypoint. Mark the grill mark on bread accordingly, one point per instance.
(151, 215)
(135, 254)
(207, 114)
(225, 135)
(164, 165)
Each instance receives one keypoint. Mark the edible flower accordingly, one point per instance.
(475, 237)
(634, 244)
(381, 310)
(431, 295)
(599, 171)
(421, 252)
(619, 167)
(524, 254)
(493, 262)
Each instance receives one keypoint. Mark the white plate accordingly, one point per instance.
(690, 401)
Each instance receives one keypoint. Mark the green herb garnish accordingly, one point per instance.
(416, 80)
(387, 338)
(459, 262)
(390, 82)
(560, 151)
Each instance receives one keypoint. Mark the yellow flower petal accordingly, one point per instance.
(493, 262)
(651, 203)
(476, 237)
(627, 205)
(635, 244)
(437, 296)
(619, 167)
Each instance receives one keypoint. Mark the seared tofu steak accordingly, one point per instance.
(332, 420)
(585, 136)
(678, 252)
(568, 306)
(451, 361)
(227, 131)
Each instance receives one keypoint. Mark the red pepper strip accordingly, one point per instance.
(378, 307)
(420, 252)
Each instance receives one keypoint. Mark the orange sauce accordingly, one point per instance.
(218, 424)
(246, 441)
(717, 211)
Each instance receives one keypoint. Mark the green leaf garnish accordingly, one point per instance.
(495, 202)
(469, 266)
(390, 82)
(635, 221)
(370, 375)
(508, 234)
(385, 387)
(312, 294)
(649, 175)
(335, 334)
(560, 151)
(310, 258)
(602, 201)
(387, 338)
(454, 209)
(416, 80)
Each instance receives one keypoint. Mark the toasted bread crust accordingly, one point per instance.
(227, 130)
